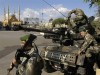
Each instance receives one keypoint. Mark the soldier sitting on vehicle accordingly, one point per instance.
(80, 18)
(26, 45)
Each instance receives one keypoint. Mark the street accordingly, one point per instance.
(10, 42)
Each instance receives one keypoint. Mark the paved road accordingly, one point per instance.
(9, 42)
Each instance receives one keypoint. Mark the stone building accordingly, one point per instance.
(11, 19)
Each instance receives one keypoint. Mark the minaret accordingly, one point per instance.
(19, 13)
(4, 13)
(8, 13)
(14, 12)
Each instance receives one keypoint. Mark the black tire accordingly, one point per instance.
(15, 28)
(70, 71)
(47, 67)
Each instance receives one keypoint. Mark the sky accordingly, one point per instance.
(35, 8)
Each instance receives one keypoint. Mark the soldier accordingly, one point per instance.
(79, 19)
(90, 47)
(89, 40)
(26, 45)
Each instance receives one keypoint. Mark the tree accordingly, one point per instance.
(96, 23)
(58, 21)
(98, 11)
(93, 2)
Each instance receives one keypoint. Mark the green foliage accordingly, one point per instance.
(58, 21)
(98, 11)
(96, 24)
(93, 2)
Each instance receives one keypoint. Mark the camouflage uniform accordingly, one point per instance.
(22, 52)
(79, 19)
(35, 66)
(89, 46)
(89, 40)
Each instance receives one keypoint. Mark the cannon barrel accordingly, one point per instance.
(38, 30)
(61, 32)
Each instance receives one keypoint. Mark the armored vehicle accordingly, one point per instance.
(62, 57)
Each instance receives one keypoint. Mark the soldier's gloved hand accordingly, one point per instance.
(80, 52)
(88, 55)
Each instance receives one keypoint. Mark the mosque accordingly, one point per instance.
(11, 19)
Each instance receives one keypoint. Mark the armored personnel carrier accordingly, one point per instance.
(62, 57)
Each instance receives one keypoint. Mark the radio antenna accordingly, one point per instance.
(54, 8)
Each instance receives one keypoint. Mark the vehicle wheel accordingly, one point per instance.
(47, 67)
(15, 28)
(71, 71)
